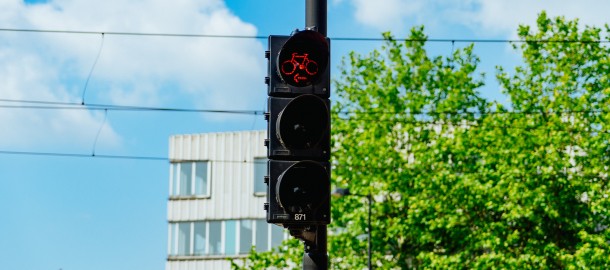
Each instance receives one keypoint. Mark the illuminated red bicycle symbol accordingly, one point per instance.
(297, 65)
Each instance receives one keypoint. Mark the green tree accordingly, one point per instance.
(461, 182)
(555, 212)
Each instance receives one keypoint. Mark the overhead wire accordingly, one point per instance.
(114, 33)
(376, 39)
(99, 131)
(77, 155)
(132, 157)
(254, 112)
(97, 57)
(59, 105)
(53, 105)
(363, 168)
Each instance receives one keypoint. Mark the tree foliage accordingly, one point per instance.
(462, 182)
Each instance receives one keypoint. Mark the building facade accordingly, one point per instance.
(216, 197)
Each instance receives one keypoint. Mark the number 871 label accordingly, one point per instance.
(300, 217)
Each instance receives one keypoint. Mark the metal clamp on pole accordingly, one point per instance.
(316, 253)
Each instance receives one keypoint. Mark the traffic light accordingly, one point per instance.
(298, 143)
(299, 64)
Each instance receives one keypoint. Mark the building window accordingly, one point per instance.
(245, 236)
(222, 237)
(230, 237)
(200, 238)
(215, 238)
(260, 171)
(262, 235)
(184, 238)
(190, 179)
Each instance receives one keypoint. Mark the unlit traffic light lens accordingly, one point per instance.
(303, 123)
(303, 187)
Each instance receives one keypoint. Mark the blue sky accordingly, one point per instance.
(60, 212)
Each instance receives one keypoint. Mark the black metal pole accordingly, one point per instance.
(369, 231)
(315, 15)
(316, 253)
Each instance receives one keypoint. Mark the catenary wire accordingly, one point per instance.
(93, 155)
(441, 40)
(97, 57)
(57, 105)
(99, 131)
(108, 33)
(77, 155)
(335, 166)
(68, 105)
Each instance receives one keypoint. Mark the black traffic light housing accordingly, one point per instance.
(299, 192)
(301, 129)
(298, 144)
(299, 64)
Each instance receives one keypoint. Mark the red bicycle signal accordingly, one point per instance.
(300, 67)
(303, 58)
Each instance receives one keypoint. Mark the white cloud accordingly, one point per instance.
(503, 17)
(24, 78)
(193, 63)
(485, 17)
(385, 14)
(132, 70)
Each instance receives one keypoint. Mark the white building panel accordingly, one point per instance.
(230, 202)
(199, 264)
(231, 157)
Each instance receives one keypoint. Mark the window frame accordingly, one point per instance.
(176, 182)
(174, 240)
(255, 192)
